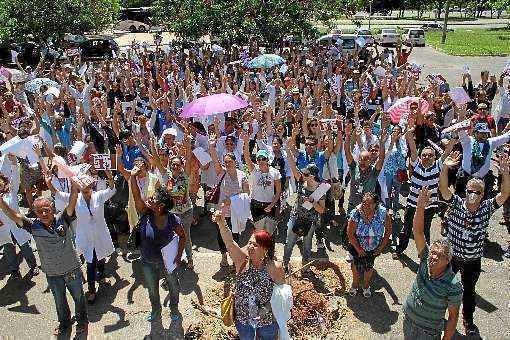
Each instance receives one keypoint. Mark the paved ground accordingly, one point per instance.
(27, 310)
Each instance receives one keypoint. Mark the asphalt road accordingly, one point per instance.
(27, 310)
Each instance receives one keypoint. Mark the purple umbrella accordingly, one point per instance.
(210, 105)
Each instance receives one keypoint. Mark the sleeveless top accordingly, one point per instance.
(369, 235)
(154, 239)
(253, 290)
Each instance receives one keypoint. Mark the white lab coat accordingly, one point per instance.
(11, 171)
(91, 231)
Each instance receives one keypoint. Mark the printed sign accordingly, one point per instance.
(103, 161)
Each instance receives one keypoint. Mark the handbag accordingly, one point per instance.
(301, 225)
(227, 310)
(336, 185)
(402, 176)
(212, 196)
(135, 237)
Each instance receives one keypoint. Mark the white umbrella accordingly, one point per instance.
(35, 84)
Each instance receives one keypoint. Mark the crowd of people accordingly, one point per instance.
(323, 128)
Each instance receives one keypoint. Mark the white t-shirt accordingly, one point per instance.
(262, 184)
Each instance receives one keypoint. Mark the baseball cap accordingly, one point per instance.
(263, 153)
(169, 131)
(482, 106)
(482, 128)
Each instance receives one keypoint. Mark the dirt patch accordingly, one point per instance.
(319, 312)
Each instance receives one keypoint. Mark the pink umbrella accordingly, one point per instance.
(210, 105)
(401, 107)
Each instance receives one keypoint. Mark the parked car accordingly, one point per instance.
(98, 47)
(434, 27)
(132, 26)
(366, 34)
(389, 37)
(416, 36)
(349, 45)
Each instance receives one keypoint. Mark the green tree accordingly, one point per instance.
(236, 21)
(43, 19)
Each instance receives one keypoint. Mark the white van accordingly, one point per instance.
(414, 35)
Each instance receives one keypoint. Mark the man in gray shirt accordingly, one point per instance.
(59, 260)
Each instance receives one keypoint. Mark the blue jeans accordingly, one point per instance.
(292, 239)
(414, 332)
(73, 281)
(12, 259)
(247, 332)
(152, 273)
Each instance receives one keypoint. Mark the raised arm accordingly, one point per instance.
(504, 167)
(347, 144)
(450, 161)
(140, 205)
(11, 213)
(72, 199)
(239, 257)
(419, 218)
(246, 151)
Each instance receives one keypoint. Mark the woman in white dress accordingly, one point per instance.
(10, 235)
(93, 239)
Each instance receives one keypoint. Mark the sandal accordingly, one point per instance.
(353, 291)
(367, 293)
(80, 329)
(190, 265)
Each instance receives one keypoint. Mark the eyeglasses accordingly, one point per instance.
(474, 192)
(310, 144)
(314, 125)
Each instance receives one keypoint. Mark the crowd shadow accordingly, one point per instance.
(15, 291)
(493, 251)
(137, 274)
(106, 297)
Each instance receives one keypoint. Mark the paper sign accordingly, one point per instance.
(459, 96)
(5, 72)
(380, 71)
(83, 69)
(76, 151)
(461, 125)
(202, 156)
(14, 55)
(317, 195)
(22, 148)
(64, 171)
(102, 161)
(52, 91)
(283, 69)
(169, 252)
(73, 52)
(328, 125)
(83, 180)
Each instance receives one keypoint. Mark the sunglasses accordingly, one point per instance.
(262, 159)
(314, 125)
(310, 144)
(474, 192)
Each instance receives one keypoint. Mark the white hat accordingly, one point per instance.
(169, 131)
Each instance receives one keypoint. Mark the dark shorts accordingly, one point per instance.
(362, 264)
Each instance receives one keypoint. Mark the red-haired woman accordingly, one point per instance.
(257, 272)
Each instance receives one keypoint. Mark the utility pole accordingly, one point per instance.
(370, 14)
(445, 22)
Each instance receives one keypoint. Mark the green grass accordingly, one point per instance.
(475, 42)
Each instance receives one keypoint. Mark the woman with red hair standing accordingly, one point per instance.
(257, 272)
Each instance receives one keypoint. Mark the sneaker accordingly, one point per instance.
(320, 244)
(507, 253)
(367, 293)
(349, 258)
(470, 328)
(353, 291)
(153, 317)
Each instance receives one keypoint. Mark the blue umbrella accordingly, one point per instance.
(266, 61)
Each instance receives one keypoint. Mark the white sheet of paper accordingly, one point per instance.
(52, 91)
(459, 96)
(202, 156)
(169, 252)
(22, 148)
(14, 55)
(83, 69)
(317, 195)
(463, 124)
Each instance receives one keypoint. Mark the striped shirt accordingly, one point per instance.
(467, 231)
(424, 177)
(429, 298)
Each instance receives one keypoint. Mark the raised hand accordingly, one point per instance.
(453, 159)
(424, 197)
